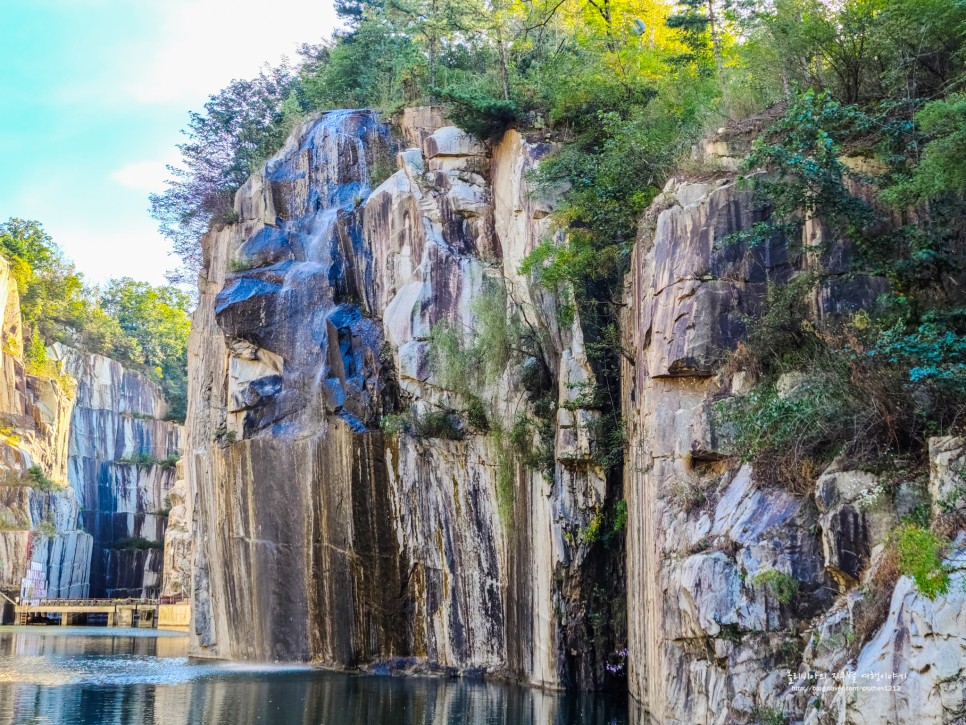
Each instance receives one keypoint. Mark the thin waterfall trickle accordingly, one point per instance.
(299, 297)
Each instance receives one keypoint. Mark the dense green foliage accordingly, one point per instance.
(890, 375)
(869, 150)
(156, 319)
(628, 85)
(143, 327)
(778, 584)
(920, 557)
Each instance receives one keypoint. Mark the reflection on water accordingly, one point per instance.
(75, 676)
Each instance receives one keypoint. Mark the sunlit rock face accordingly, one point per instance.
(704, 643)
(121, 458)
(178, 557)
(80, 472)
(710, 637)
(316, 535)
(43, 549)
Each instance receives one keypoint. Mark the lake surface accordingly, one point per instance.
(82, 676)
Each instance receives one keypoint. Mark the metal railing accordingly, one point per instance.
(93, 603)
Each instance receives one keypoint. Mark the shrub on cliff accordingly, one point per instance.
(433, 424)
(136, 543)
(920, 556)
(942, 166)
(892, 373)
(778, 584)
(480, 113)
(38, 479)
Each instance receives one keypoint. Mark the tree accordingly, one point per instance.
(867, 50)
(29, 250)
(52, 293)
(373, 66)
(157, 319)
(696, 17)
(239, 128)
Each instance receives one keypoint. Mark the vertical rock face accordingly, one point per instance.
(84, 470)
(121, 466)
(43, 549)
(705, 643)
(317, 535)
(914, 669)
(711, 639)
(178, 557)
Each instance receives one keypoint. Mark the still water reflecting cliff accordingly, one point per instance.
(83, 676)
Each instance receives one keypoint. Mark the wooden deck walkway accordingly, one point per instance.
(119, 612)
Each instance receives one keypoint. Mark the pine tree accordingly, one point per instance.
(695, 18)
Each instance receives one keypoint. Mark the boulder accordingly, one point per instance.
(856, 517)
(947, 474)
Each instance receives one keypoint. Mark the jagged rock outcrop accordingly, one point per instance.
(856, 522)
(178, 559)
(947, 474)
(738, 589)
(704, 642)
(318, 535)
(914, 669)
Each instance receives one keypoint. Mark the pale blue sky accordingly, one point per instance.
(93, 94)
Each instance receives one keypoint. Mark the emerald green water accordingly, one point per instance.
(83, 676)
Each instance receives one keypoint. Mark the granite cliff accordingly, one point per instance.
(84, 449)
(711, 638)
(121, 464)
(331, 538)
(361, 491)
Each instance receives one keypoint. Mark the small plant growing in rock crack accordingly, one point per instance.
(532, 443)
(731, 633)
(433, 424)
(780, 585)
(476, 415)
(394, 423)
(437, 424)
(620, 516)
(136, 543)
(240, 264)
(593, 530)
(506, 468)
(224, 437)
(142, 458)
(616, 663)
(47, 528)
(770, 716)
(36, 478)
(165, 509)
(790, 649)
(920, 557)
(169, 461)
